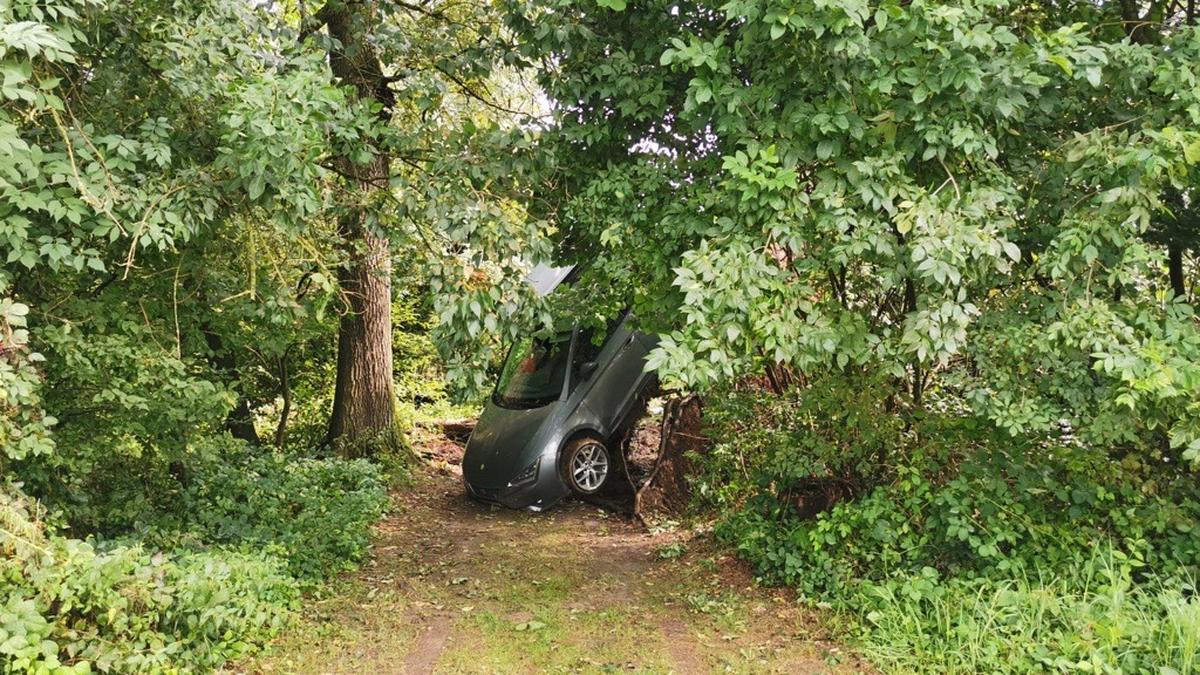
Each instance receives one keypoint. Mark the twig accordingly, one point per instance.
(175, 310)
(957, 192)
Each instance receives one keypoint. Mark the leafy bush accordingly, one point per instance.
(957, 541)
(129, 414)
(315, 512)
(837, 430)
(207, 561)
(1005, 509)
(24, 425)
(70, 606)
(937, 489)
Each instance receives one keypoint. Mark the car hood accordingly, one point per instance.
(500, 445)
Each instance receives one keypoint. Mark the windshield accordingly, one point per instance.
(533, 373)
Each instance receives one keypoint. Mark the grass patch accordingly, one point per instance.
(1092, 618)
(556, 639)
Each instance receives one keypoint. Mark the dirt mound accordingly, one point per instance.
(666, 490)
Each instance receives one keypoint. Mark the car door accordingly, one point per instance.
(619, 373)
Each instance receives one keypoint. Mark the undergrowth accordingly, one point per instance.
(957, 547)
(1088, 617)
(209, 574)
(315, 513)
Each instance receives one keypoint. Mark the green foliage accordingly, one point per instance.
(237, 533)
(127, 408)
(418, 371)
(672, 551)
(24, 425)
(172, 190)
(1091, 617)
(838, 430)
(315, 513)
(960, 229)
(954, 496)
(70, 607)
(950, 524)
(913, 190)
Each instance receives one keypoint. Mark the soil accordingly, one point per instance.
(455, 586)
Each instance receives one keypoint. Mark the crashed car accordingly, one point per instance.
(558, 408)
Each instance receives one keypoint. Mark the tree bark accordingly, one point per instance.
(285, 392)
(1175, 269)
(667, 490)
(240, 422)
(918, 377)
(363, 404)
(363, 401)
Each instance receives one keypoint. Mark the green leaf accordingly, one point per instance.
(1191, 153)
(255, 188)
(881, 18)
(615, 5)
(1012, 251)
(1063, 63)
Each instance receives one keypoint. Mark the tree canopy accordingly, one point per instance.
(986, 193)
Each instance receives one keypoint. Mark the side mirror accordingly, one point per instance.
(587, 369)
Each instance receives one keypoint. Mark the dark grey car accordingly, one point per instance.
(548, 429)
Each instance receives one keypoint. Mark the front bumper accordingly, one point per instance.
(543, 493)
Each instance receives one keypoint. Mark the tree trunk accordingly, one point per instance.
(240, 420)
(285, 392)
(918, 376)
(1175, 269)
(363, 406)
(667, 491)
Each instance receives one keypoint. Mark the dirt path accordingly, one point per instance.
(459, 587)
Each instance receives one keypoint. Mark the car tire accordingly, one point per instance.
(586, 465)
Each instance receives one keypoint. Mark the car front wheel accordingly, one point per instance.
(585, 465)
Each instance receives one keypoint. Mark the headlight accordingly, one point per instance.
(528, 475)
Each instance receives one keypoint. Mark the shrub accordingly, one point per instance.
(317, 513)
(961, 547)
(1003, 510)
(207, 564)
(941, 490)
(127, 412)
(837, 431)
(70, 607)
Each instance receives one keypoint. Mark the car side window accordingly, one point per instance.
(588, 347)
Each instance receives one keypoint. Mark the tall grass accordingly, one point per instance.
(1090, 618)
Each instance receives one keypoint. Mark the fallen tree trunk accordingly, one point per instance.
(457, 430)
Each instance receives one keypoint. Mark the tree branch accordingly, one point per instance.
(466, 89)
(310, 25)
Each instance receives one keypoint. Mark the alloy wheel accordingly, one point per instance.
(589, 467)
